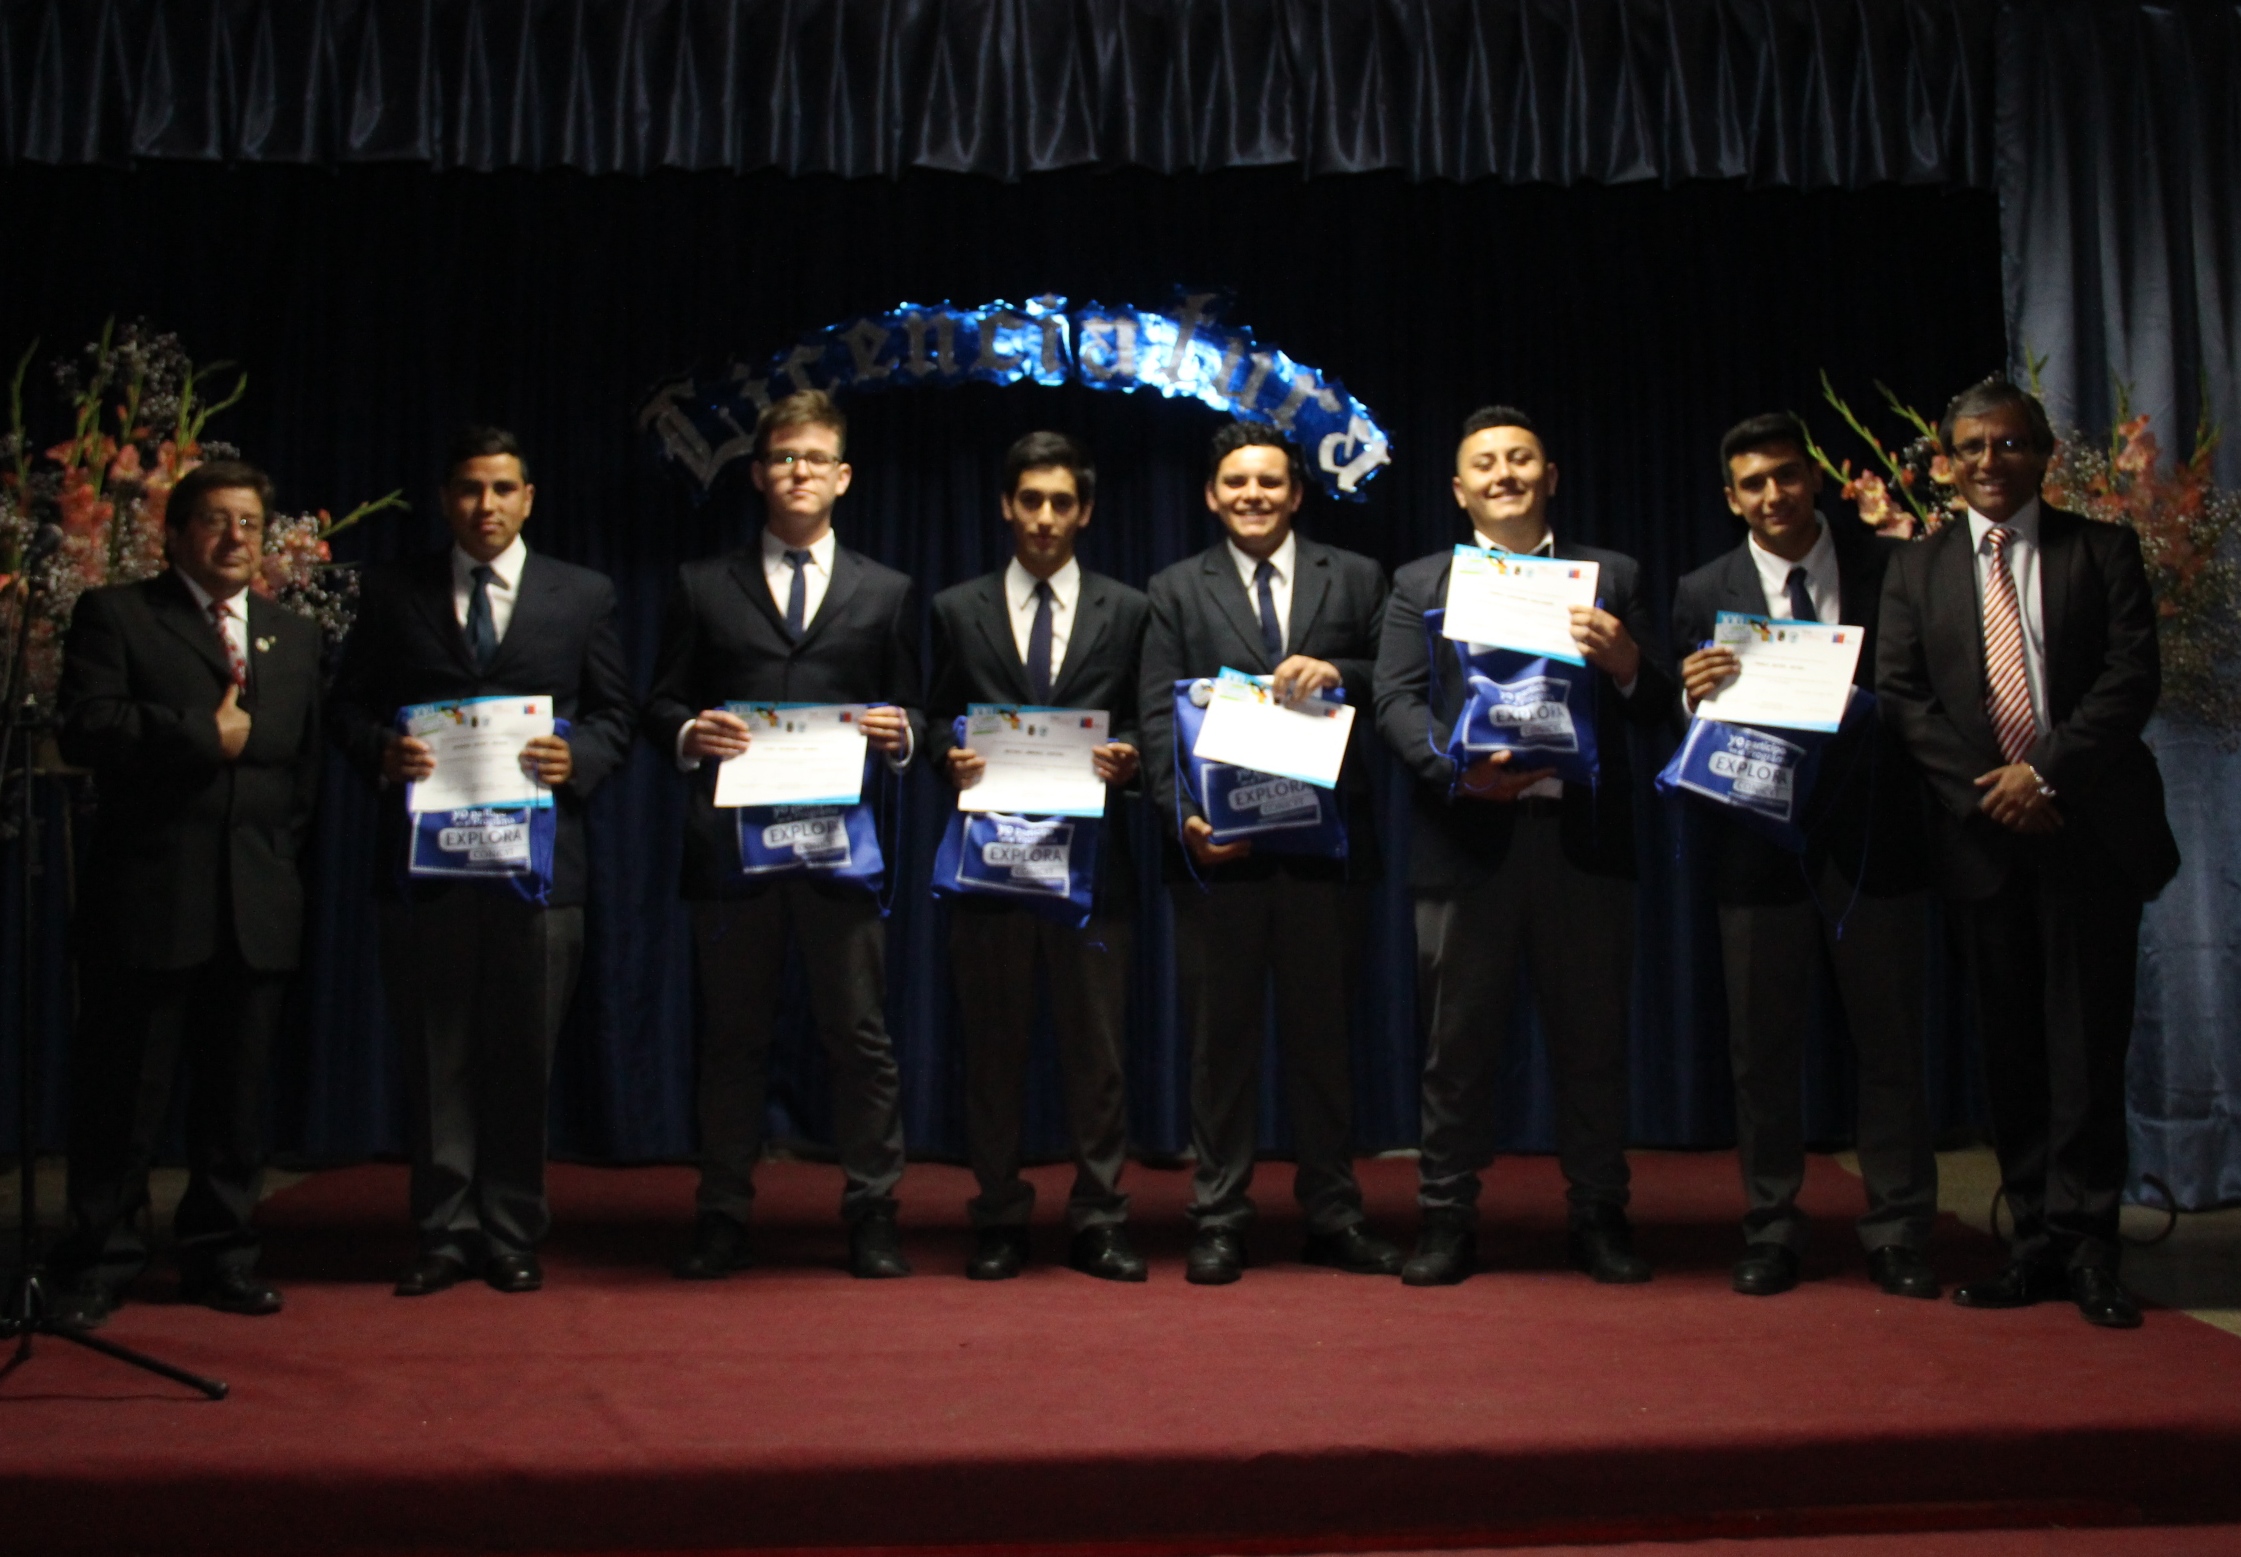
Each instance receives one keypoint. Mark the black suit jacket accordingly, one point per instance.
(1201, 619)
(1866, 812)
(406, 647)
(2104, 674)
(723, 640)
(1457, 843)
(180, 833)
(976, 660)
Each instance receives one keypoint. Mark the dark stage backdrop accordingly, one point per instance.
(375, 308)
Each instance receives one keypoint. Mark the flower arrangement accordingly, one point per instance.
(138, 406)
(2184, 519)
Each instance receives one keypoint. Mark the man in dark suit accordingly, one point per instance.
(1508, 864)
(2019, 664)
(478, 977)
(793, 617)
(1267, 600)
(1863, 872)
(1043, 630)
(195, 701)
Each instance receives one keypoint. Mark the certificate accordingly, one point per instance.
(798, 754)
(477, 742)
(1247, 727)
(1515, 602)
(1795, 676)
(1038, 760)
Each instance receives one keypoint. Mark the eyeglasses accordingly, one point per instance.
(816, 459)
(1977, 450)
(1031, 501)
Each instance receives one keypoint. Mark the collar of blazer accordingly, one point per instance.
(1311, 583)
(173, 604)
(992, 615)
(747, 573)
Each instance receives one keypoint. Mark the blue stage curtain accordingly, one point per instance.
(2119, 161)
(376, 308)
(1803, 94)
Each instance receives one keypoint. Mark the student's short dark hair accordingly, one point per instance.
(1051, 451)
(1253, 435)
(805, 408)
(1991, 395)
(477, 441)
(187, 493)
(1754, 433)
(1500, 416)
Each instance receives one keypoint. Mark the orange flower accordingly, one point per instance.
(1941, 470)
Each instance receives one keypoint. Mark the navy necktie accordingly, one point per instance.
(1272, 631)
(797, 598)
(1038, 644)
(1801, 599)
(482, 632)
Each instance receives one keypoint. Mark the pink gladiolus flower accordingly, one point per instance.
(1941, 470)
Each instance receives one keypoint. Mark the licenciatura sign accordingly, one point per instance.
(1185, 350)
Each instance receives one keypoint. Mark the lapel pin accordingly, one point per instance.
(264, 645)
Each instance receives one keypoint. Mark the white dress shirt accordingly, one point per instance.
(2023, 567)
(504, 590)
(1284, 561)
(237, 615)
(816, 574)
(1065, 593)
(1821, 578)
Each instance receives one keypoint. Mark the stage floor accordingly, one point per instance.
(1300, 1410)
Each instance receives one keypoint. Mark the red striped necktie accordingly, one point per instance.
(220, 610)
(2007, 686)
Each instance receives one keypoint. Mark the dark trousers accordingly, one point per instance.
(994, 952)
(1771, 955)
(1577, 931)
(1230, 940)
(478, 984)
(2053, 975)
(741, 947)
(135, 1030)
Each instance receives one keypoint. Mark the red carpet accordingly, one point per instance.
(1298, 1411)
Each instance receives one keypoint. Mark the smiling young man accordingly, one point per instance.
(1510, 865)
(1864, 870)
(793, 617)
(2019, 664)
(195, 701)
(1044, 630)
(478, 978)
(1267, 600)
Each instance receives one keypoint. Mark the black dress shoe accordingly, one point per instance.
(514, 1273)
(2102, 1300)
(1353, 1249)
(84, 1304)
(1217, 1257)
(1605, 1250)
(875, 1249)
(431, 1273)
(1103, 1251)
(1902, 1271)
(719, 1247)
(1446, 1251)
(999, 1254)
(1765, 1269)
(2019, 1286)
(230, 1290)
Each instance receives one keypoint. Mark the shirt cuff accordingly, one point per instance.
(898, 761)
(685, 764)
(1626, 687)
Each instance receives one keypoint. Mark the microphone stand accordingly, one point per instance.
(26, 1317)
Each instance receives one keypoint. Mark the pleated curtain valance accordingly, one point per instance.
(1804, 94)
